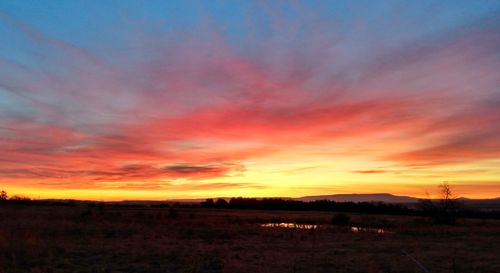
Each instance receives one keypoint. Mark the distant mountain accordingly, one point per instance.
(371, 197)
(374, 197)
(354, 197)
(484, 204)
(488, 204)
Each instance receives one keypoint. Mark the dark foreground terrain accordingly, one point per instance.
(142, 239)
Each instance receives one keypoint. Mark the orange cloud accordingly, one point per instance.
(200, 111)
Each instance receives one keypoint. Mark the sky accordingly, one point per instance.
(115, 100)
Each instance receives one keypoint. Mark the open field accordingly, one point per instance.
(128, 239)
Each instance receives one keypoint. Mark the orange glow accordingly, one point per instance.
(194, 113)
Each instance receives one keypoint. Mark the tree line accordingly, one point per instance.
(444, 210)
(4, 197)
(319, 205)
(441, 211)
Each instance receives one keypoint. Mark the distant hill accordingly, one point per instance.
(372, 197)
(484, 204)
(354, 197)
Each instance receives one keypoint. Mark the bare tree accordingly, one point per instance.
(448, 199)
(448, 205)
(446, 193)
(445, 209)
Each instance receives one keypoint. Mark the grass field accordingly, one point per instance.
(124, 239)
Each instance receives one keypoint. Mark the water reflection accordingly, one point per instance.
(311, 226)
(372, 230)
(289, 225)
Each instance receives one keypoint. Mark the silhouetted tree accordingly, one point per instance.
(209, 203)
(445, 210)
(221, 203)
(319, 205)
(18, 199)
(448, 204)
(3, 196)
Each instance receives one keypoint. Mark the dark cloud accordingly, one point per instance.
(201, 171)
(128, 172)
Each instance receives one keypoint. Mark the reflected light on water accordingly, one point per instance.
(311, 226)
(289, 225)
(362, 229)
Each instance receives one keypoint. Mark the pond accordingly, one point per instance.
(292, 225)
(371, 230)
(289, 225)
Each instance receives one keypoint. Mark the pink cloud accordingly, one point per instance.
(87, 123)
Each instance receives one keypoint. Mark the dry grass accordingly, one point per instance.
(83, 239)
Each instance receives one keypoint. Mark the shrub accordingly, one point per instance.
(3, 196)
(221, 203)
(341, 219)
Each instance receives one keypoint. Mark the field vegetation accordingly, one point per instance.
(76, 237)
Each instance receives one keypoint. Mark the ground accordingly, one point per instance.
(124, 239)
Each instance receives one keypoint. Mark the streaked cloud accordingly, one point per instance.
(205, 105)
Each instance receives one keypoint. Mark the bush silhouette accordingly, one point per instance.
(221, 203)
(341, 219)
(3, 196)
(209, 203)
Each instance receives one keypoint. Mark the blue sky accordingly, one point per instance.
(123, 99)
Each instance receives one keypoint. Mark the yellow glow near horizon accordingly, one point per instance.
(261, 104)
(289, 178)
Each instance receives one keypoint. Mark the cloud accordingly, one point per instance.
(127, 173)
(370, 171)
(200, 171)
(432, 100)
(466, 136)
(217, 186)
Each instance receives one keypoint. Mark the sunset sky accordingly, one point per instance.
(113, 100)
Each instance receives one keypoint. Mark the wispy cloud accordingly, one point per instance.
(198, 105)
